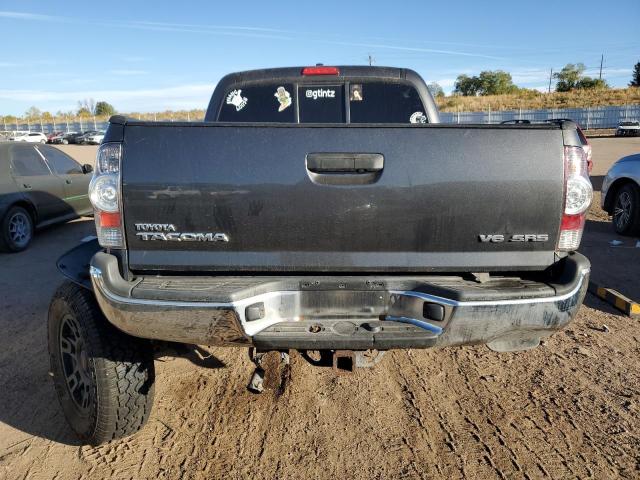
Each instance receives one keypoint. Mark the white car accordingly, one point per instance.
(12, 134)
(29, 137)
(95, 138)
(628, 129)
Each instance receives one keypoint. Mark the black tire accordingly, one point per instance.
(104, 378)
(626, 210)
(16, 230)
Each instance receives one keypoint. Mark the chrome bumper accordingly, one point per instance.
(284, 319)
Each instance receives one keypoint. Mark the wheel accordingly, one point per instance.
(17, 230)
(65, 142)
(626, 210)
(104, 378)
(43, 141)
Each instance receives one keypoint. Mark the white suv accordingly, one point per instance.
(30, 137)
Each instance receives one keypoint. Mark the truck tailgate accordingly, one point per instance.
(341, 198)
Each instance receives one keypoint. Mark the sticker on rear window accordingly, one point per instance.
(355, 93)
(236, 99)
(320, 93)
(418, 117)
(284, 98)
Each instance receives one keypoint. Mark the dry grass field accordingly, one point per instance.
(533, 100)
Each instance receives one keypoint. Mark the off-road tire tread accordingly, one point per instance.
(123, 368)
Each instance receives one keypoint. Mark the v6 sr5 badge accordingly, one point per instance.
(518, 237)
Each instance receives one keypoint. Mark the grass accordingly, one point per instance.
(534, 100)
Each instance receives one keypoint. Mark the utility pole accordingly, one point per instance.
(370, 60)
(601, 61)
(550, 77)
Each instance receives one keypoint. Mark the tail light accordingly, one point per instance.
(320, 70)
(104, 193)
(589, 151)
(578, 194)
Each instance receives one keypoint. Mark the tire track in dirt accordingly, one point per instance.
(450, 413)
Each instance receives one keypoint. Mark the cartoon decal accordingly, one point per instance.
(418, 117)
(283, 97)
(237, 100)
(356, 92)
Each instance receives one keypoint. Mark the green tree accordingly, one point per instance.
(435, 90)
(588, 82)
(83, 112)
(489, 82)
(569, 77)
(104, 108)
(466, 86)
(635, 76)
(496, 82)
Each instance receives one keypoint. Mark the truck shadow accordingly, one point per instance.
(195, 354)
(596, 181)
(613, 265)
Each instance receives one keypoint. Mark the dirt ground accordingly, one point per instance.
(568, 409)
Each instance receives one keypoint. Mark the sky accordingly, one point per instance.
(168, 55)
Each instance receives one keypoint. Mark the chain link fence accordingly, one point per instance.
(588, 118)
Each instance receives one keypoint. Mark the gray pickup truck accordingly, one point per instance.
(319, 209)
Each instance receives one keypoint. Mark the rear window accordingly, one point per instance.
(380, 102)
(321, 103)
(259, 103)
(366, 102)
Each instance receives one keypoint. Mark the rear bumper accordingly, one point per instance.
(341, 312)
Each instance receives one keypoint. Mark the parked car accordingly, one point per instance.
(57, 139)
(39, 186)
(70, 138)
(94, 138)
(30, 137)
(84, 138)
(12, 134)
(621, 195)
(52, 135)
(628, 129)
(323, 227)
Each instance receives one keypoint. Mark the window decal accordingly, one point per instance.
(237, 100)
(284, 98)
(418, 117)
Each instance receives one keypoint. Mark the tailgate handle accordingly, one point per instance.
(345, 162)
